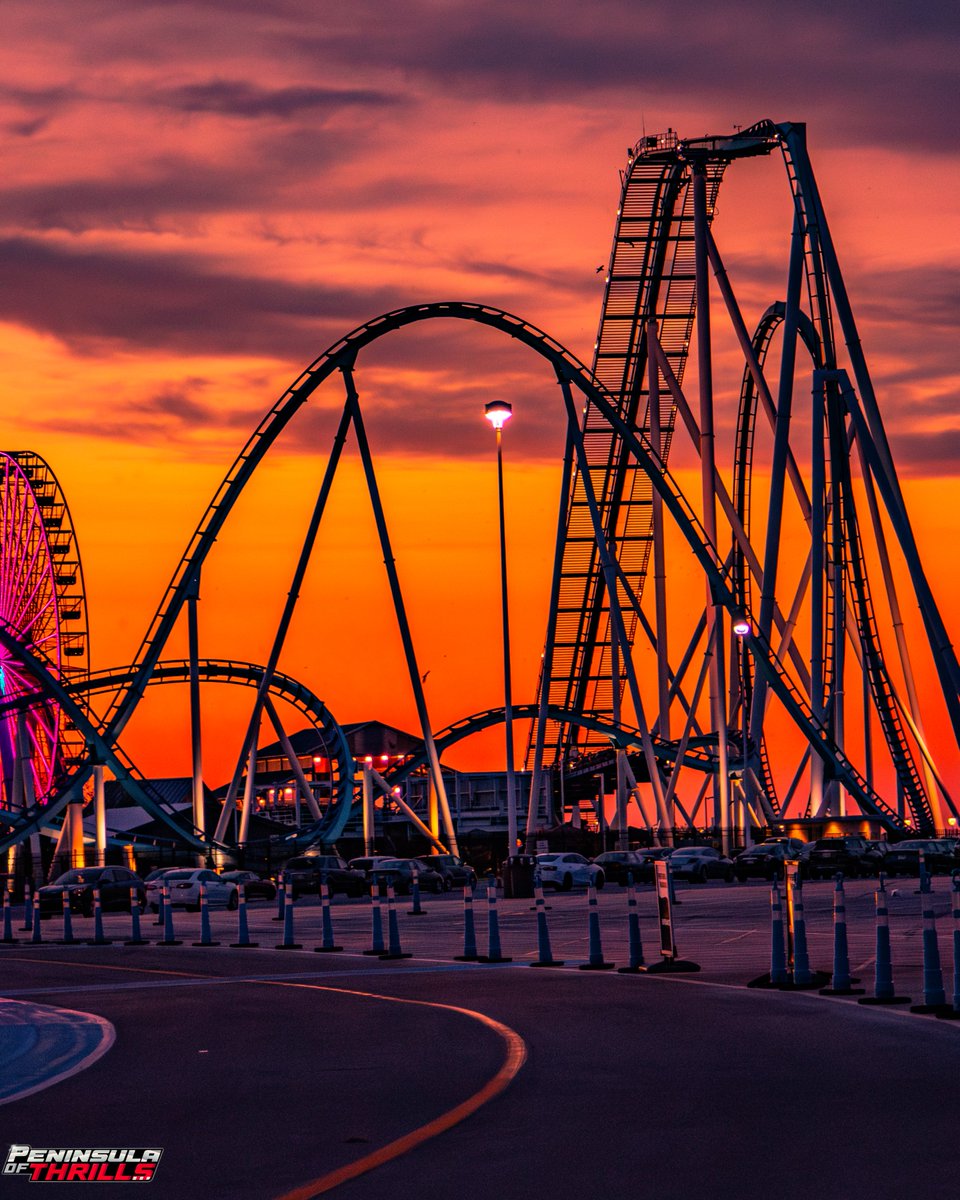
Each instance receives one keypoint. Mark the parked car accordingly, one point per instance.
(763, 861)
(367, 864)
(648, 857)
(795, 847)
(563, 870)
(851, 854)
(399, 872)
(183, 887)
(114, 884)
(700, 863)
(254, 886)
(157, 873)
(620, 865)
(455, 872)
(304, 874)
(904, 857)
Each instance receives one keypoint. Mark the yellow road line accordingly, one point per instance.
(516, 1054)
(515, 1057)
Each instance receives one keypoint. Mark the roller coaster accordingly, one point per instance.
(788, 689)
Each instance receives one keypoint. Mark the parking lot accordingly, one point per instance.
(626, 1084)
(725, 928)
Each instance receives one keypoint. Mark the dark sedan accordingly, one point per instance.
(114, 884)
(852, 855)
(904, 857)
(764, 861)
(254, 886)
(305, 873)
(400, 871)
(619, 865)
(455, 872)
(700, 863)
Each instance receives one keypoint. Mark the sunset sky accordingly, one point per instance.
(196, 199)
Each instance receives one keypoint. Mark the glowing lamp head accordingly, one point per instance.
(498, 413)
(742, 627)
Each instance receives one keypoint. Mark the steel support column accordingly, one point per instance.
(715, 623)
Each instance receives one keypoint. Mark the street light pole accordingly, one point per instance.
(742, 630)
(498, 412)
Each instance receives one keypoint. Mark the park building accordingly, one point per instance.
(477, 799)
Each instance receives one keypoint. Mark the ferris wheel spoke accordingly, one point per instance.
(20, 548)
(31, 595)
(45, 611)
(5, 556)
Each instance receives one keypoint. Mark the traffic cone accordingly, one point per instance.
(841, 981)
(204, 919)
(883, 989)
(281, 898)
(393, 947)
(27, 907)
(288, 943)
(8, 939)
(469, 929)
(953, 1013)
(167, 909)
(161, 908)
(376, 933)
(803, 977)
(243, 930)
(778, 957)
(98, 938)
(135, 938)
(416, 911)
(596, 961)
(934, 997)
(327, 945)
(545, 958)
(35, 936)
(68, 939)
(633, 930)
(494, 953)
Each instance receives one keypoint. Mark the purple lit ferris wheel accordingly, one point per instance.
(42, 604)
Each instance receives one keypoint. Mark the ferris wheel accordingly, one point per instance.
(43, 604)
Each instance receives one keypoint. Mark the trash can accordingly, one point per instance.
(518, 872)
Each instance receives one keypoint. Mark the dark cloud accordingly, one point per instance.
(94, 299)
(927, 454)
(836, 66)
(240, 98)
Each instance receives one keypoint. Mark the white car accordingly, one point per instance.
(184, 889)
(564, 870)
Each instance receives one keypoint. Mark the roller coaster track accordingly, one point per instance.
(620, 735)
(650, 282)
(226, 671)
(771, 320)
(342, 356)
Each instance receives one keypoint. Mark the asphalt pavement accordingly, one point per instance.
(267, 1073)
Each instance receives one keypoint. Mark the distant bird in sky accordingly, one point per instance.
(600, 268)
(423, 677)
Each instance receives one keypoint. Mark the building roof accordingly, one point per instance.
(363, 738)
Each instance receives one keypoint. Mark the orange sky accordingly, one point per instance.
(194, 207)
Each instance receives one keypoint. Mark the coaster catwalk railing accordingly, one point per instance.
(669, 191)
